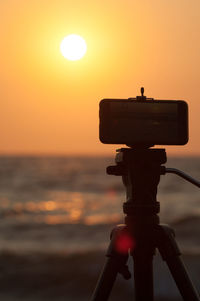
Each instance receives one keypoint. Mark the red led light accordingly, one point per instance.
(124, 242)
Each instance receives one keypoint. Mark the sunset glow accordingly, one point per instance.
(50, 104)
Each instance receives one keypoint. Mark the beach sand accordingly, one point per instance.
(35, 277)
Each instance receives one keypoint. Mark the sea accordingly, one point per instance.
(58, 211)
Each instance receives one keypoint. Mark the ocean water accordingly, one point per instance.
(56, 214)
(68, 204)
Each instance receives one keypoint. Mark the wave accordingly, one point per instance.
(79, 237)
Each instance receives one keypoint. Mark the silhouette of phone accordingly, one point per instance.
(148, 122)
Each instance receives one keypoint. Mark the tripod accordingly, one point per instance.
(142, 233)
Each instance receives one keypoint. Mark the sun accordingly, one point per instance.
(73, 47)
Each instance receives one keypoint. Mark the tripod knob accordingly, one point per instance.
(115, 170)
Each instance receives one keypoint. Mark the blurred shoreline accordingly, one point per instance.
(79, 238)
(69, 270)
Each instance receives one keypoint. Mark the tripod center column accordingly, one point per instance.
(141, 177)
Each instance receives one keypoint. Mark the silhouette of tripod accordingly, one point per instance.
(142, 233)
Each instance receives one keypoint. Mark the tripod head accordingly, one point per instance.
(140, 171)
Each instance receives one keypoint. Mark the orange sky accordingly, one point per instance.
(49, 105)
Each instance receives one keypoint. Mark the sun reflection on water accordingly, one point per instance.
(63, 207)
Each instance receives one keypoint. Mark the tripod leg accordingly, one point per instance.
(143, 268)
(143, 275)
(116, 263)
(170, 253)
